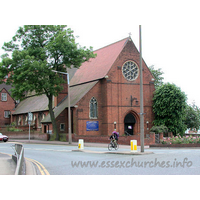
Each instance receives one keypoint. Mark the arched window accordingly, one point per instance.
(93, 108)
(40, 117)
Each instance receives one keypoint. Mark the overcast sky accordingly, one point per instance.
(170, 31)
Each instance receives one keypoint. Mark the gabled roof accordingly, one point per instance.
(76, 94)
(32, 104)
(40, 103)
(6, 87)
(97, 68)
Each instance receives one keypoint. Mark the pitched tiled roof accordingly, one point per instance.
(32, 104)
(97, 68)
(76, 93)
(7, 87)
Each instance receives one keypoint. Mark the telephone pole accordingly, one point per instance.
(141, 95)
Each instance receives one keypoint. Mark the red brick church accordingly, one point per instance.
(105, 95)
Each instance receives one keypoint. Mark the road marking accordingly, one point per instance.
(48, 149)
(41, 168)
(40, 149)
(63, 150)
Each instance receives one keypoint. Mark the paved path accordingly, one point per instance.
(7, 165)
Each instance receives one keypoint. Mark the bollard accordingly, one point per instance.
(80, 144)
(133, 145)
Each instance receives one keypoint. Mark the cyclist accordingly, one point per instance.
(114, 137)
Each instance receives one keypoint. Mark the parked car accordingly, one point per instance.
(3, 137)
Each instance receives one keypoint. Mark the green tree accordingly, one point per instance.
(192, 119)
(36, 51)
(169, 105)
(3, 70)
(157, 76)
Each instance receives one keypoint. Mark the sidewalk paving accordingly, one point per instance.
(7, 165)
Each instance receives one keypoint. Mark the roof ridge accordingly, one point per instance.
(111, 44)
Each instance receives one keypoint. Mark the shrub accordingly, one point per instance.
(159, 129)
(182, 140)
(13, 129)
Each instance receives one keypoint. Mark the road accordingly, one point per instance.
(61, 160)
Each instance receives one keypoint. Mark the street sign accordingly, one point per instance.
(30, 117)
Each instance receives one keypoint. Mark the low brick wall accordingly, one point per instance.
(25, 135)
(123, 140)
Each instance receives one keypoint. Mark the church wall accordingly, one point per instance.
(82, 114)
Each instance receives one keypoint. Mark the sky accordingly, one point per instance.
(170, 30)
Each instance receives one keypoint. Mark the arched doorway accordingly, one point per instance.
(129, 123)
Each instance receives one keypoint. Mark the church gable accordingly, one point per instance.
(126, 67)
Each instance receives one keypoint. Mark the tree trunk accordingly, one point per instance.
(53, 120)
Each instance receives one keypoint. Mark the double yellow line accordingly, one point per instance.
(40, 167)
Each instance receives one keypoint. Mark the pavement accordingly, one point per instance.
(8, 166)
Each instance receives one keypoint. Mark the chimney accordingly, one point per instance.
(63, 93)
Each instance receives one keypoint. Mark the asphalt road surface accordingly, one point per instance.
(61, 160)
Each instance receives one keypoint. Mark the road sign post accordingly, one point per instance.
(30, 119)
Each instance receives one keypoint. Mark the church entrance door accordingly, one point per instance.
(129, 123)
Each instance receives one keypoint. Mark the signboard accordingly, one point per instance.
(30, 117)
(92, 126)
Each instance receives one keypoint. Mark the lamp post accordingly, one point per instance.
(69, 113)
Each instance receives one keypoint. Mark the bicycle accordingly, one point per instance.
(113, 145)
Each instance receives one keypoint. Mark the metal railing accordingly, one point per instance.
(19, 159)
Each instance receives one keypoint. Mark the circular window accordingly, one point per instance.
(130, 71)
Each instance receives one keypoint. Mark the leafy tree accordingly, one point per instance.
(36, 51)
(169, 105)
(192, 119)
(3, 70)
(157, 76)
